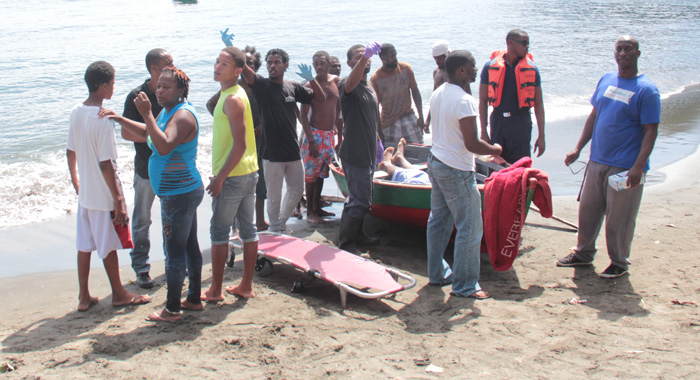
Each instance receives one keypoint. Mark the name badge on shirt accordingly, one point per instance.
(619, 94)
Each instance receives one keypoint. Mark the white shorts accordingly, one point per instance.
(96, 232)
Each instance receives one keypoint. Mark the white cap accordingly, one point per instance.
(440, 48)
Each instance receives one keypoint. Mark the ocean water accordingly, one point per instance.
(47, 45)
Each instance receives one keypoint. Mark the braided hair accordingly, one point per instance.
(182, 80)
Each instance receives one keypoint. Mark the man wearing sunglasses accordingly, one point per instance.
(622, 128)
(510, 83)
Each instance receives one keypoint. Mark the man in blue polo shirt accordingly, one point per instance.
(622, 126)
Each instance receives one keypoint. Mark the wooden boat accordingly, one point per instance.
(409, 204)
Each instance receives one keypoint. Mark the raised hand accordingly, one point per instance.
(143, 104)
(371, 49)
(306, 72)
(226, 37)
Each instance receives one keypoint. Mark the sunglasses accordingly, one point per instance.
(525, 43)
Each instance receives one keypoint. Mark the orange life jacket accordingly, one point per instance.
(525, 77)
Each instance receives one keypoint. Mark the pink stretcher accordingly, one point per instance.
(348, 272)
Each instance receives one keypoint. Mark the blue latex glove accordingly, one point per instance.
(306, 72)
(227, 38)
(371, 49)
(380, 151)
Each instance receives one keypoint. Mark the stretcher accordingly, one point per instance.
(348, 272)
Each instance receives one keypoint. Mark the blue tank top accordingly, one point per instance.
(176, 172)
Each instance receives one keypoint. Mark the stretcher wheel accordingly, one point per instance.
(263, 267)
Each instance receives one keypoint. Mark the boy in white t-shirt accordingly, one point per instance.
(102, 220)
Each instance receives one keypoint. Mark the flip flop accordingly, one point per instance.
(138, 300)
(156, 317)
(479, 295)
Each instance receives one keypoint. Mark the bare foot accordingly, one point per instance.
(187, 305)
(262, 225)
(324, 213)
(129, 299)
(388, 155)
(207, 296)
(314, 219)
(163, 316)
(88, 303)
(245, 292)
(400, 149)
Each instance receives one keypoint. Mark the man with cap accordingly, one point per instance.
(440, 51)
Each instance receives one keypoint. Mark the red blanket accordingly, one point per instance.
(505, 202)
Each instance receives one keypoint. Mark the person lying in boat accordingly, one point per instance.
(399, 169)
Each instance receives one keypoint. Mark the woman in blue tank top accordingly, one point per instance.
(174, 177)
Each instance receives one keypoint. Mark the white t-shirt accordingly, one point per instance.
(92, 140)
(448, 104)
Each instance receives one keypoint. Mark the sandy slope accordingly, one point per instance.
(629, 328)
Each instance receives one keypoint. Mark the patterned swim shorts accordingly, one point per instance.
(317, 167)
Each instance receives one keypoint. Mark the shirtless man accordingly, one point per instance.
(317, 146)
(440, 50)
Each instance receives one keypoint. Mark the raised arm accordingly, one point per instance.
(358, 71)
(179, 128)
(305, 72)
(131, 130)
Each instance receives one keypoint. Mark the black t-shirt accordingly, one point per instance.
(143, 152)
(278, 107)
(361, 116)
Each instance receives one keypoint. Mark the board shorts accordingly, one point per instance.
(315, 168)
(406, 127)
(96, 232)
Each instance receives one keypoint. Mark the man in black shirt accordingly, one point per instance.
(358, 151)
(282, 162)
(156, 60)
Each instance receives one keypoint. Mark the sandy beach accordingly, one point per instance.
(644, 325)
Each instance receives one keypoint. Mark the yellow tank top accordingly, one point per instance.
(223, 140)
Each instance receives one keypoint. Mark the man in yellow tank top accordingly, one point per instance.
(235, 169)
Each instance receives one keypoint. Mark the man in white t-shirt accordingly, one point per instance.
(102, 220)
(455, 196)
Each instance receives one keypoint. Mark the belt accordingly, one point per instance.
(521, 111)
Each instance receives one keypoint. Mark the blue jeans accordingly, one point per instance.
(235, 202)
(179, 215)
(141, 223)
(359, 180)
(455, 200)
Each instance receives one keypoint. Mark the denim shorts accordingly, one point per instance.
(236, 202)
